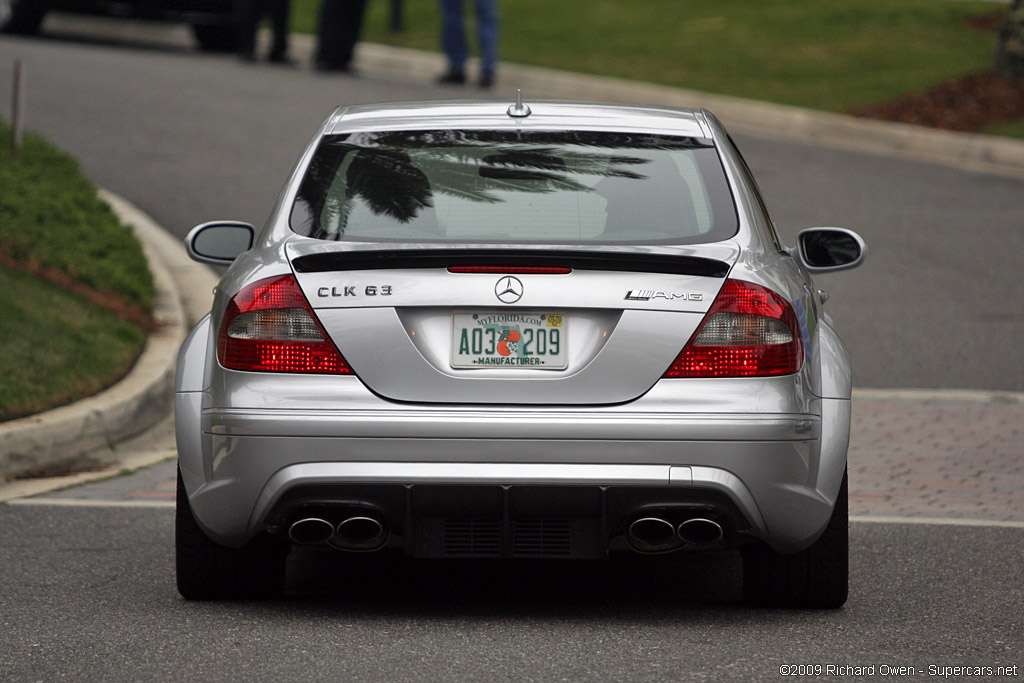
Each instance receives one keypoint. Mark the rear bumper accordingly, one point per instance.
(770, 474)
(510, 510)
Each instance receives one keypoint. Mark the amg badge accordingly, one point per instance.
(648, 294)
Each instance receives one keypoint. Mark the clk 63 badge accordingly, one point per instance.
(353, 290)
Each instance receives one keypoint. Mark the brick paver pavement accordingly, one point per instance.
(945, 458)
(930, 458)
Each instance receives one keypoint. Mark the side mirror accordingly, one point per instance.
(826, 250)
(219, 242)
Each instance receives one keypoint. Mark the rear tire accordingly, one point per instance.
(19, 17)
(207, 570)
(816, 578)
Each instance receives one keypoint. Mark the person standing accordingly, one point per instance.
(250, 14)
(341, 22)
(456, 47)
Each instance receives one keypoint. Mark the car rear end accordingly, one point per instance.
(472, 334)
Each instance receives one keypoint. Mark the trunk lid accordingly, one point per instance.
(514, 325)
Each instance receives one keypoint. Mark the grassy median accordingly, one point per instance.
(75, 289)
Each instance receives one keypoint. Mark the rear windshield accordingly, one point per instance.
(514, 187)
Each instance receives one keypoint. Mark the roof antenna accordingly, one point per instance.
(519, 110)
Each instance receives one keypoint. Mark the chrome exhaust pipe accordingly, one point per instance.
(700, 531)
(311, 531)
(651, 535)
(360, 534)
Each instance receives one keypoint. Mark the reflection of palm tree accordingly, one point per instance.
(389, 183)
(385, 169)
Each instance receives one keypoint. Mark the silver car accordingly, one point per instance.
(526, 330)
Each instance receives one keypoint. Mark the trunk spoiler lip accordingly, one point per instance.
(577, 259)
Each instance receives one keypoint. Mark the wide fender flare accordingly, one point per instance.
(835, 365)
(189, 393)
(836, 390)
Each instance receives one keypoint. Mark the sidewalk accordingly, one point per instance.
(944, 460)
(937, 454)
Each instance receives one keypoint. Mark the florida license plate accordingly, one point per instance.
(509, 340)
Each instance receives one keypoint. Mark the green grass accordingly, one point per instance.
(50, 215)
(824, 54)
(56, 346)
(1013, 129)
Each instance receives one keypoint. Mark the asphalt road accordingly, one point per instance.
(87, 593)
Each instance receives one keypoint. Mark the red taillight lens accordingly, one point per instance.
(750, 331)
(270, 327)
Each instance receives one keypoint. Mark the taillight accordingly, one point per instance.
(270, 327)
(750, 331)
(512, 270)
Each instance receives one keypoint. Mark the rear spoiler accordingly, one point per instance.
(437, 258)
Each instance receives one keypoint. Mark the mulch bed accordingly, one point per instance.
(967, 103)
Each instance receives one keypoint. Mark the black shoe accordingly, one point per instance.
(486, 80)
(453, 78)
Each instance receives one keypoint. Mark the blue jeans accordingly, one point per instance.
(453, 34)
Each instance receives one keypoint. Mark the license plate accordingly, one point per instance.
(509, 340)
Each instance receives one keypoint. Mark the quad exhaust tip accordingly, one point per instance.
(356, 533)
(311, 531)
(652, 535)
(359, 534)
(657, 535)
(700, 531)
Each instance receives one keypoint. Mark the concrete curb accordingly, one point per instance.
(190, 282)
(129, 407)
(982, 153)
(926, 395)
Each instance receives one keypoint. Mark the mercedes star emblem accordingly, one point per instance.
(509, 290)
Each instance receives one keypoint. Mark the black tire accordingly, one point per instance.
(209, 571)
(217, 37)
(20, 17)
(816, 578)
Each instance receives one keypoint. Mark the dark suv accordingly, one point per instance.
(213, 21)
